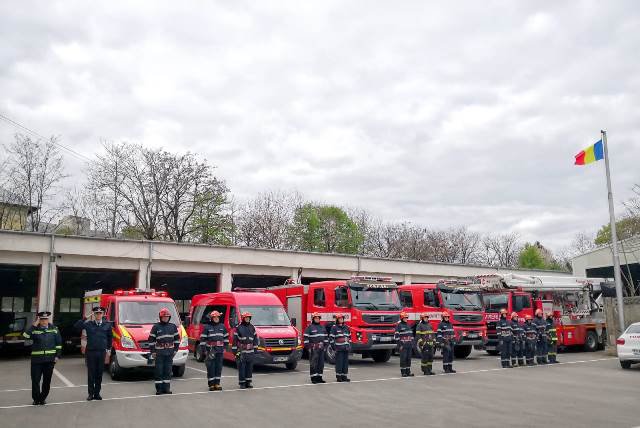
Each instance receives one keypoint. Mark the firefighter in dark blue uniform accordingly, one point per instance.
(505, 336)
(340, 341)
(517, 350)
(446, 337)
(404, 340)
(214, 340)
(425, 343)
(552, 340)
(530, 337)
(45, 352)
(164, 341)
(541, 344)
(245, 345)
(99, 340)
(315, 341)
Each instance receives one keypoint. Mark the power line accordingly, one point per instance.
(40, 136)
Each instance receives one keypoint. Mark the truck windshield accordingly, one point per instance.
(495, 302)
(267, 316)
(469, 300)
(376, 298)
(145, 312)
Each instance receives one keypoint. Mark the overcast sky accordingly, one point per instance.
(442, 114)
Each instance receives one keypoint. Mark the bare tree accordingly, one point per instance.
(36, 175)
(502, 250)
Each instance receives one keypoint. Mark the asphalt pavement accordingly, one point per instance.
(584, 390)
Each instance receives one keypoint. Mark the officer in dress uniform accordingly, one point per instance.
(404, 341)
(99, 339)
(340, 341)
(45, 351)
(214, 339)
(425, 343)
(245, 345)
(164, 341)
(315, 340)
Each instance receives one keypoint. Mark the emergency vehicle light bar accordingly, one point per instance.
(371, 278)
(139, 292)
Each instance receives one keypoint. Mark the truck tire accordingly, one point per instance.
(493, 352)
(178, 371)
(625, 364)
(381, 356)
(462, 351)
(198, 354)
(292, 365)
(330, 355)
(115, 371)
(591, 341)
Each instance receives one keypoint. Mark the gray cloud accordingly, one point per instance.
(443, 115)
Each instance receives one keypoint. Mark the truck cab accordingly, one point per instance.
(133, 313)
(280, 342)
(513, 301)
(370, 305)
(463, 304)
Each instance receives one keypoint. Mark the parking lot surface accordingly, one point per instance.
(586, 389)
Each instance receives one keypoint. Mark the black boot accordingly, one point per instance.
(345, 378)
(320, 380)
(451, 370)
(249, 386)
(314, 379)
(521, 363)
(338, 378)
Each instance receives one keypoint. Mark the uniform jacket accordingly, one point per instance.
(164, 338)
(425, 334)
(99, 337)
(504, 329)
(245, 339)
(47, 343)
(446, 334)
(315, 336)
(214, 338)
(403, 334)
(340, 337)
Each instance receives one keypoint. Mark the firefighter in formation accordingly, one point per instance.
(315, 341)
(164, 340)
(425, 343)
(446, 337)
(45, 351)
(504, 329)
(518, 343)
(404, 341)
(541, 342)
(340, 342)
(530, 337)
(552, 340)
(213, 340)
(245, 345)
(99, 340)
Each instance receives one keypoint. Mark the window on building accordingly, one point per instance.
(319, 298)
(68, 304)
(12, 304)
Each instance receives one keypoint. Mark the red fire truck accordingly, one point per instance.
(133, 313)
(280, 343)
(370, 306)
(579, 318)
(462, 303)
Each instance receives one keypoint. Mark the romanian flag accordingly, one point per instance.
(590, 154)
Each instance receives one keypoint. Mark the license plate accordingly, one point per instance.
(472, 336)
(280, 359)
(636, 351)
(385, 339)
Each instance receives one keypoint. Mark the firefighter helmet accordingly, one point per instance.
(339, 315)
(445, 314)
(503, 311)
(549, 314)
(538, 312)
(316, 315)
(424, 315)
(215, 314)
(514, 314)
(528, 317)
(404, 315)
(246, 314)
(164, 312)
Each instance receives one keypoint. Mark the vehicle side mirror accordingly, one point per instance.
(294, 322)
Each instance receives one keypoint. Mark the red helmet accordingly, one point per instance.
(446, 314)
(215, 314)
(549, 314)
(164, 312)
(336, 316)
(514, 314)
(528, 317)
(424, 315)
(404, 315)
(538, 312)
(316, 315)
(246, 314)
(503, 311)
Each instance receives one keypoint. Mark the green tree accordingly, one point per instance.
(325, 228)
(626, 228)
(531, 258)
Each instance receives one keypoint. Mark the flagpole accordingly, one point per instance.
(614, 237)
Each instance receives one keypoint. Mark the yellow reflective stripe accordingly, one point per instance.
(26, 335)
(37, 353)
(47, 352)
(125, 332)
(59, 347)
(183, 332)
(54, 330)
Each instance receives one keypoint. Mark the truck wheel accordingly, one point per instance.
(591, 342)
(115, 370)
(198, 354)
(462, 351)
(178, 371)
(292, 365)
(381, 356)
(330, 355)
(625, 364)
(493, 352)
